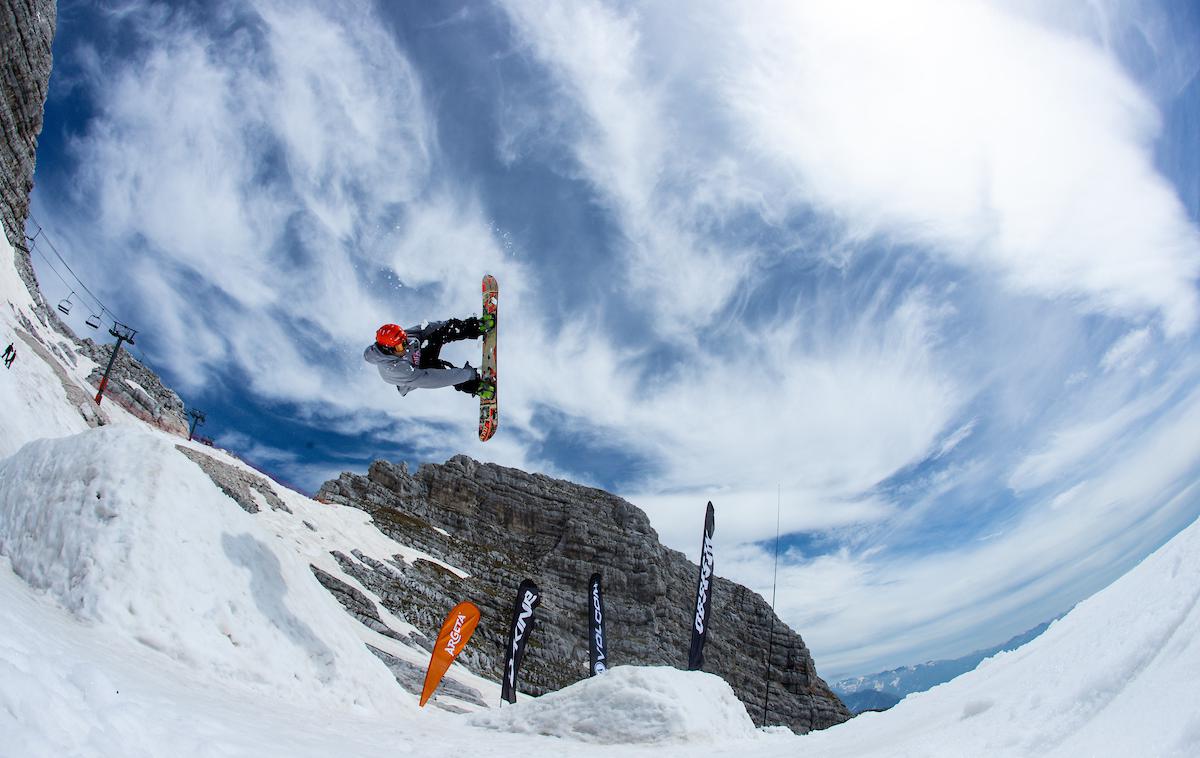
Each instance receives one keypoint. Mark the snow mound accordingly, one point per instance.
(631, 705)
(125, 532)
(1114, 677)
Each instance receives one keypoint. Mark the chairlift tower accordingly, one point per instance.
(123, 334)
(197, 420)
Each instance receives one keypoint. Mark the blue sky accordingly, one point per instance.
(926, 273)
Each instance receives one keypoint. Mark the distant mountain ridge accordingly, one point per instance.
(882, 690)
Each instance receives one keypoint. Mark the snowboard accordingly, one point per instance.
(489, 410)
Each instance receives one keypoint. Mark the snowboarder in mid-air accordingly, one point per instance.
(411, 358)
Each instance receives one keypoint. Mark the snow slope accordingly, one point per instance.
(886, 688)
(127, 533)
(143, 613)
(1116, 676)
(34, 402)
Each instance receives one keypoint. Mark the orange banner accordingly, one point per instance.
(456, 630)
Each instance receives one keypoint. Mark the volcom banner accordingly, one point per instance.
(528, 598)
(456, 630)
(596, 626)
(703, 595)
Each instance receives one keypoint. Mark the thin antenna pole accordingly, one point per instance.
(774, 584)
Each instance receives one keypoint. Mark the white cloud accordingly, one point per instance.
(260, 185)
(1108, 419)
(743, 516)
(864, 612)
(990, 140)
(1126, 350)
(629, 146)
(826, 415)
(961, 127)
(956, 438)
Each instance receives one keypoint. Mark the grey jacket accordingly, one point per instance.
(400, 371)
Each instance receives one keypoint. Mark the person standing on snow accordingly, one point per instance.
(10, 355)
(411, 358)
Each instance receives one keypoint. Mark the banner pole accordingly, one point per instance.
(774, 584)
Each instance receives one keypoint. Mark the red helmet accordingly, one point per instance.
(390, 335)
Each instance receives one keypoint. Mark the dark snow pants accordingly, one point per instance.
(451, 330)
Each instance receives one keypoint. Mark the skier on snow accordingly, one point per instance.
(411, 358)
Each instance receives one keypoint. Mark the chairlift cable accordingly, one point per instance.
(51, 265)
(42, 232)
(96, 315)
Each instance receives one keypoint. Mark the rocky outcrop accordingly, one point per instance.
(26, 34)
(356, 603)
(412, 678)
(502, 525)
(235, 483)
(136, 388)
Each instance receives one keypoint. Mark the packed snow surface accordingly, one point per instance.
(126, 532)
(632, 705)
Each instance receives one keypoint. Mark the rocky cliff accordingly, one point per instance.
(503, 525)
(26, 33)
(26, 36)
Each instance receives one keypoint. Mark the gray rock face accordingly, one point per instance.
(412, 678)
(26, 34)
(235, 483)
(356, 604)
(503, 525)
(137, 388)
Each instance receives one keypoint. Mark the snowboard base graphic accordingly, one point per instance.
(489, 409)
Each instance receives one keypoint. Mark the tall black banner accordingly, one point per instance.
(703, 595)
(596, 626)
(528, 598)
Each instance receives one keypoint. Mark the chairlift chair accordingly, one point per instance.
(93, 321)
(65, 304)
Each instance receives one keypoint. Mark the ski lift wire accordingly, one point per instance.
(42, 232)
(52, 268)
(96, 315)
